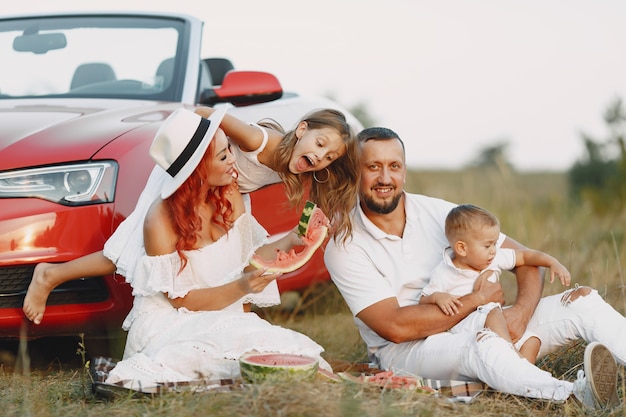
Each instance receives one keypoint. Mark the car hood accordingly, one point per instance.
(41, 133)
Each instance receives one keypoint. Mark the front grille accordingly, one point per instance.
(14, 281)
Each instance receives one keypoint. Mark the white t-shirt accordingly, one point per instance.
(448, 278)
(373, 266)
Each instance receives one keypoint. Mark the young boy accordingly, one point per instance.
(473, 235)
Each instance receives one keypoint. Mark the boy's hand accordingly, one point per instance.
(559, 271)
(447, 303)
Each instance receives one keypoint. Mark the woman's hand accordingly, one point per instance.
(255, 281)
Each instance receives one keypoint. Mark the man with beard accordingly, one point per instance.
(397, 240)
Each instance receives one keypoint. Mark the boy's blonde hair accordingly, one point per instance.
(466, 218)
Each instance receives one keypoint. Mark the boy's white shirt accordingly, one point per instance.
(448, 278)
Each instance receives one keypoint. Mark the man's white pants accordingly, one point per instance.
(558, 322)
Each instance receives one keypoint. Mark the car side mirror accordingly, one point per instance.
(243, 88)
(39, 43)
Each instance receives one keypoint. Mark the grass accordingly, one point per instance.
(533, 209)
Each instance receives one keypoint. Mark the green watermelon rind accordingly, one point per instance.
(303, 224)
(255, 373)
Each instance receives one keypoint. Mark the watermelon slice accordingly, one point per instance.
(313, 229)
(261, 367)
(388, 380)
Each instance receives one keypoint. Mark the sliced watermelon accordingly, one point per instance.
(261, 367)
(313, 228)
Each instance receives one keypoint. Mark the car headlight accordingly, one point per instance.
(74, 184)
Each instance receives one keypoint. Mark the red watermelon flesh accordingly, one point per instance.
(316, 232)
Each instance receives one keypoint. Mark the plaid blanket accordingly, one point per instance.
(461, 391)
(454, 390)
(99, 368)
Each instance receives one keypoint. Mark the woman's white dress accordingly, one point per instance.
(166, 344)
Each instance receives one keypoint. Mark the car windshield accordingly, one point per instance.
(88, 56)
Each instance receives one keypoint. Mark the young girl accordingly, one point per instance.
(189, 320)
(320, 153)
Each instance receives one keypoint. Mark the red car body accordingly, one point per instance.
(108, 123)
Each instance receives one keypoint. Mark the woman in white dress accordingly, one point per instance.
(190, 319)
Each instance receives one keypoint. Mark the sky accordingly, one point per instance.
(451, 77)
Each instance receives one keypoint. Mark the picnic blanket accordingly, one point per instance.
(99, 368)
(454, 390)
(361, 373)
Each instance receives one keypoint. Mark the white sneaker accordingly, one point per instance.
(582, 391)
(596, 387)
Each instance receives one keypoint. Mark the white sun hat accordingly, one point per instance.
(180, 144)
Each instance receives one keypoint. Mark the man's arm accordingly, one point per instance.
(529, 290)
(402, 324)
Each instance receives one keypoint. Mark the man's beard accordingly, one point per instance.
(381, 208)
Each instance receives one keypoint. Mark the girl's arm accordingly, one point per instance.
(246, 136)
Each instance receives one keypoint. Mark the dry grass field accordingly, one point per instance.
(533, 209)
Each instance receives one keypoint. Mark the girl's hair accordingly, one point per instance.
(335, 196)
(466, 218)
(184, 206)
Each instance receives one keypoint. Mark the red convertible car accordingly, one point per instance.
(81, 97)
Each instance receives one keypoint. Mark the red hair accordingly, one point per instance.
(185, 202)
